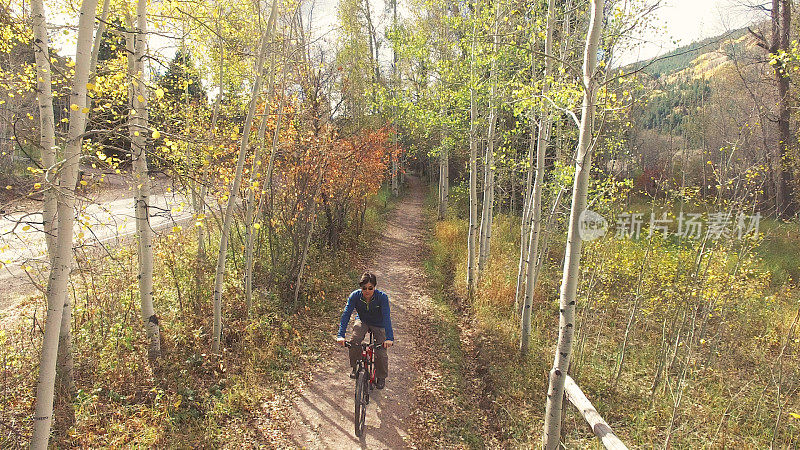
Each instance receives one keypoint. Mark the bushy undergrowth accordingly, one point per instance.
(195, 399)
(710, 358)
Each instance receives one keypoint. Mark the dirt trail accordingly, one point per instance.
(323, 413)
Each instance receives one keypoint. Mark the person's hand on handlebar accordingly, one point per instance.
(340, 340)
(387, 343)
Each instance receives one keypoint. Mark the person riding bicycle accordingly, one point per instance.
(372, 309)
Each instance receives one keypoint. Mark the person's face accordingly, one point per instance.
(367, 290)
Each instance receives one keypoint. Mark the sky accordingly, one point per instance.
(687, 21)
(681, 21)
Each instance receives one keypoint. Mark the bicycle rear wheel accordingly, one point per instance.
(361, 399)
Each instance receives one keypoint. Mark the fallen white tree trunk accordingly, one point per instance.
(600, 428)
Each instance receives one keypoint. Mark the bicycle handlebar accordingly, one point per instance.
(348, 344)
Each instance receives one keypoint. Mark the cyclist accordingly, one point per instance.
(372, 309)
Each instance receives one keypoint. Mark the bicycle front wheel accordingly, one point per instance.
(361, 399)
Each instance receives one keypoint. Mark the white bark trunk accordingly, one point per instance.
(489, 170)
(534, 210)
(201, 242)
(47, 138)
(98, 38)
(233, 196)
(572, 254)
(274, 154)
(137, 127)
(254, 172)
(307, 244)
(599, 426)
(473, 164)
(57, 285)
(444, 176)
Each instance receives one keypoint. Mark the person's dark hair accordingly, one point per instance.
(368, 277)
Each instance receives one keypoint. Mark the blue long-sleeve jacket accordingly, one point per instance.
(375, 313)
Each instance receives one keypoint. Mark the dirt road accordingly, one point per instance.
(323, 413)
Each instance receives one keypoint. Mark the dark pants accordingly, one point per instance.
(381, 357)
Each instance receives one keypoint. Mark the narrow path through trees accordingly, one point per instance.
(323, 413)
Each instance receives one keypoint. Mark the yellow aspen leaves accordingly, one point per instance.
(85, 110)
(26, 228)
(37, 185)
(156, 134)
(90, 86)
(159, 93)
(257, 226)
(140, 98)
(84, 183)
(74, 107)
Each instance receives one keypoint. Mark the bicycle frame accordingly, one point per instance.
(365, 382)
(367, 361)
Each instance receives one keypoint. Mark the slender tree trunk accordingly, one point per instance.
(254, 172)
(57, 285)
(47, 138)
(138, 126)
(534, 210)
(473, 164)
(201, 230)
(444, 185)
(307, 243)
(489, 170)
(98, 38)
(233, 197)
(65, 386)
(272, 156)
(572, 254)
(396, 156)
(787, 207)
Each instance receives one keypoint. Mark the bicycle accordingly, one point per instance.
(365, 382)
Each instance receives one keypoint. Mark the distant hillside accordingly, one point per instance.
(684, 57)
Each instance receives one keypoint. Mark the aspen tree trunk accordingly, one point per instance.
(307, 244)
(98, 38)
(446, 194)
(489, 170)
(254, 172)
(201, 242)
(534, 211)
(572, 254)
(274, 150)
(395, 157)
(441, 208)
(65, 384)
(57, 284)
(444, 175)
(233, 197)
(47, 138)
(138, 125)
(473, 164)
